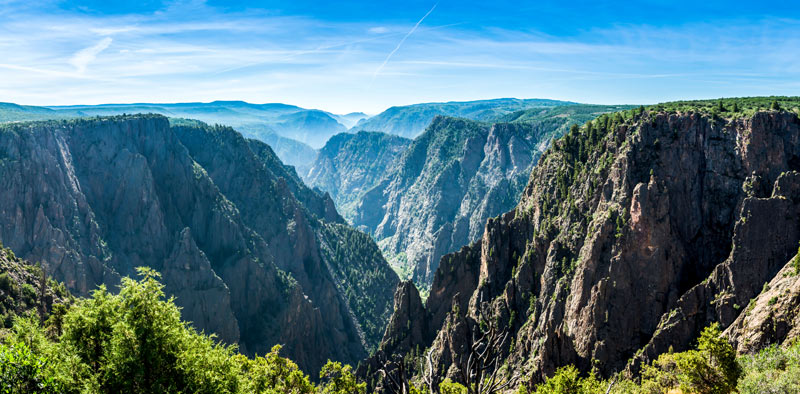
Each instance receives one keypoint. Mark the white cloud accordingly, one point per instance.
(399, 44)
(82, 58)
(209, 54)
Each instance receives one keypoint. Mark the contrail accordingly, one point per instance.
(410, 32)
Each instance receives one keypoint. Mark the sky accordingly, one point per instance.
(347, 56)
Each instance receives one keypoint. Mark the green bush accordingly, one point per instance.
(567, 381)
(22, 372)
(135, 342)
(773, 370)
(272, 374)
(7, 284)
(338, 379)
(710, 369)
(448, 387)
(28, 293)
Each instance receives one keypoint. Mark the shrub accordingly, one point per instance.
(567, 381)
(338, 379)
(448, 387)
(772, 370)
(7, 284)
(710, 369)
(28, 293)
(22, 372)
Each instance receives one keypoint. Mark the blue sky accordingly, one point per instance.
(367, 55)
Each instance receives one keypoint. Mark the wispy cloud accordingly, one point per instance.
(82, 58)
(202, 53)
(399, 44)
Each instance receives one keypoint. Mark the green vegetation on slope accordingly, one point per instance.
(135, 342)
(362, 275)
(24, 287)
(710, 368)
(734, 107)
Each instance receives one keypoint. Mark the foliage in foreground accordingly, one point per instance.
(711, 368)
(135, 342)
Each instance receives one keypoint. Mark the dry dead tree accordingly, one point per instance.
(395, 377)
(481, 370)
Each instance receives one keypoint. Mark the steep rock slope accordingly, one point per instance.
(411, 120)
(444, 187)
(351, 164)
(235, 234)
(437, 195)
(634, 233)
(773, 317)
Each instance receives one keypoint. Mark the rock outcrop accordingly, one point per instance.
(234, 232)
(634, 233)
(771, 318)
(349, 165)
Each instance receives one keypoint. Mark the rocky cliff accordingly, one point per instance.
(444, 187)
(772, 317)
(438, 194)
(349, 165)
(237, 237)
(634, 232)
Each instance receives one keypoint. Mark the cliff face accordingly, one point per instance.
(235, 234)
(351, 164)
(440, 191)
(633, 234)
(773, 317)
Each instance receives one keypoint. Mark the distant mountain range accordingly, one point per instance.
(309, 126)
(411, 120)
(294, 133)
